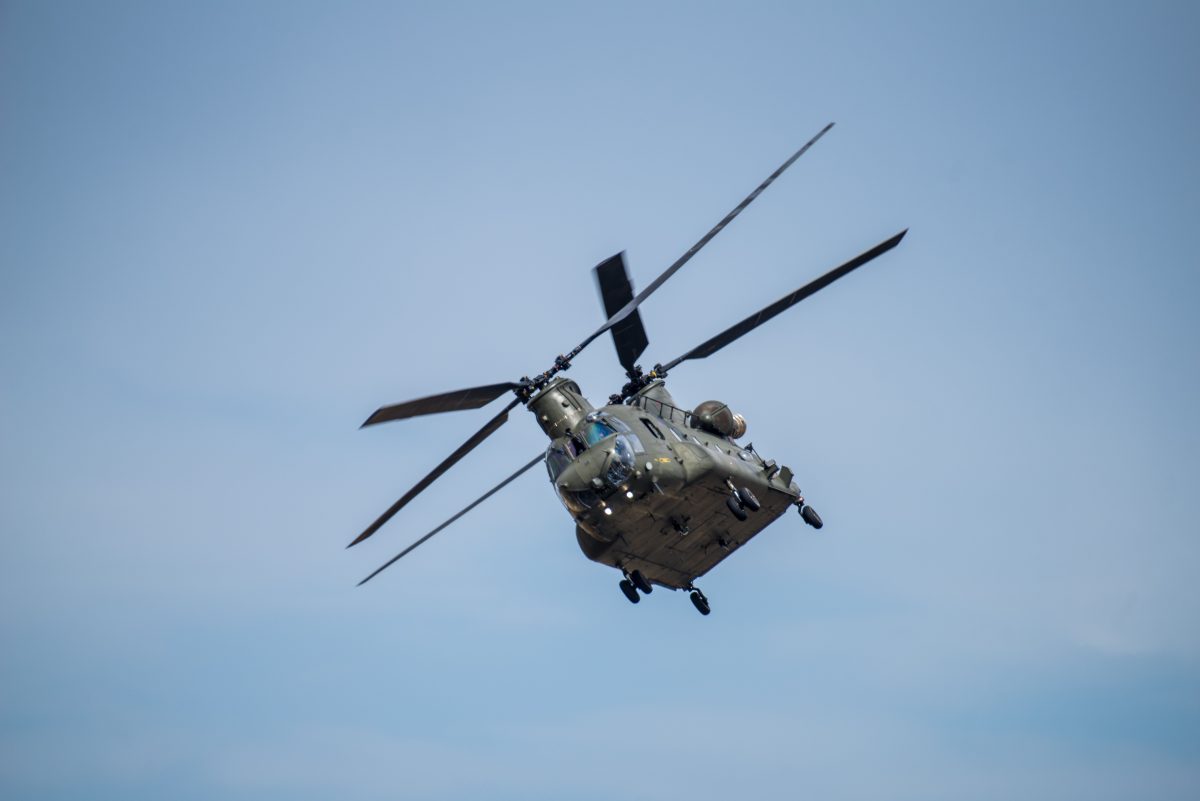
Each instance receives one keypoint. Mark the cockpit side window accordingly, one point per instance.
(556, 461)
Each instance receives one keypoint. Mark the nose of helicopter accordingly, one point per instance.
(578, 476)
(607, 464)
(597, 473)
(604, 470)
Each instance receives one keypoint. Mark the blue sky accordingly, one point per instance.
(230, 231)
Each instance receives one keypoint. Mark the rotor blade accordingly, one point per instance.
(758, 318)
(454, 401)
(479, 436)
(473, 504)
(616, 290)
(629, 307)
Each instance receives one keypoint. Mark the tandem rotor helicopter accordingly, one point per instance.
(660, 493)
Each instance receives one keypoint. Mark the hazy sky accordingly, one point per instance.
(229, 231)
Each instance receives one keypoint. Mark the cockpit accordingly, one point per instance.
(595, 428)
(613, 446)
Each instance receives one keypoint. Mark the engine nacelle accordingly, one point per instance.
(717, 418)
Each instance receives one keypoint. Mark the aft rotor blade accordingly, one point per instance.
(758, 318)
(472, 505)
(479, 436)
(616, 290)
(459, 399)
(629, 307)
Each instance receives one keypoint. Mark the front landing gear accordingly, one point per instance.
(741, 500)
(634, 581)
(735, 507)
(748, 500)
(700, 602)
(630, 591)
(641, 582)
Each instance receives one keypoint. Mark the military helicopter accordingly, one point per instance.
(660, 493)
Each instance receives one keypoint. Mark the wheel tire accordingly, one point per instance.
(748, 500)
(630, 591)
(700, 602)
(735, 507)
(811, 517)
(641, 582)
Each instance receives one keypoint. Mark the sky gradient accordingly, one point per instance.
(230, 231)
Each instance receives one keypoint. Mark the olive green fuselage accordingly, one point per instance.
(648, 490)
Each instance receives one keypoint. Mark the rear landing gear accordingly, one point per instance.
(811, 517)
(700, 602)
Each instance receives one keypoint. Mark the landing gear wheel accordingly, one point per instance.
(641, 582)
(735, 506)
(748, 500)
(700, 602)
(811, 517)
(630, 591)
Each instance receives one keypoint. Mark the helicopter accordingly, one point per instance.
(660, 493)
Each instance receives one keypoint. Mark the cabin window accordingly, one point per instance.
(618, 424)
(653, 429)
(675, 431)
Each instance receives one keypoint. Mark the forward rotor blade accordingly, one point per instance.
(758, 318)
(472, 505)
(457, 400)
(629, 307)
(616, 290)
(479, 436)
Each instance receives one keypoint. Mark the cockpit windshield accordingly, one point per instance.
(593, 431)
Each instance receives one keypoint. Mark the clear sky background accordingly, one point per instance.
(229, 231)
